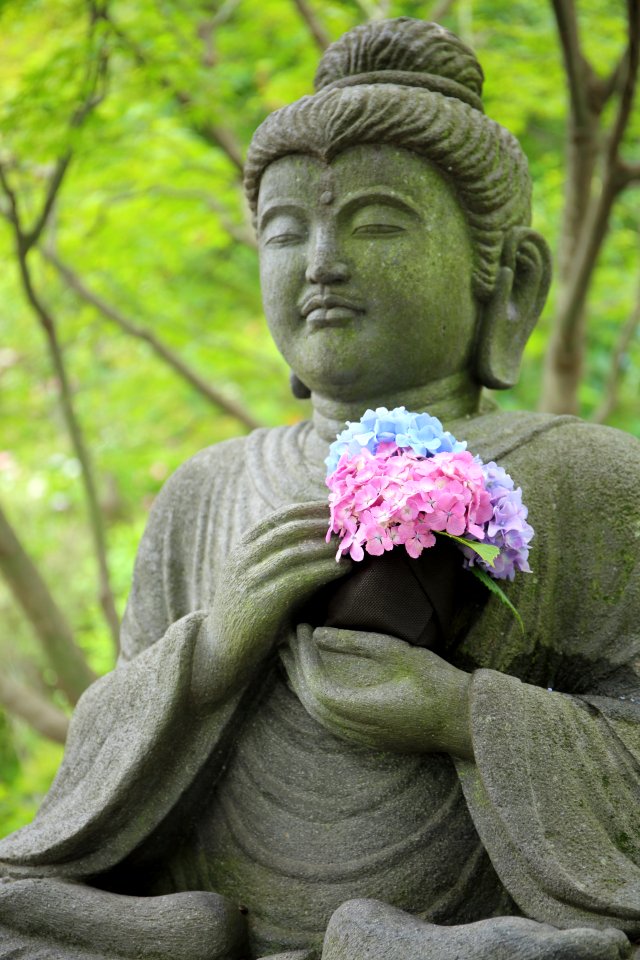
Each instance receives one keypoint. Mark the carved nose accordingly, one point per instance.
(325, 268)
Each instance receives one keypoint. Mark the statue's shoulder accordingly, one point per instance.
(195, 487)
(576, 475)
(215, 462)
(590, 469)
(548, 439)
(219, 473)
(215, 467)
(231, 457)
(578, 443)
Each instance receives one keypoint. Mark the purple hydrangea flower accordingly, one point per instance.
(508, 529)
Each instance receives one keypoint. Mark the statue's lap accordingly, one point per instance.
(303, 822)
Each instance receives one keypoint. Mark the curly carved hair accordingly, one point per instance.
(414, 85)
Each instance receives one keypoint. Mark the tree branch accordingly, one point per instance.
(55, 182)
(616, 370)
(214, 396)
(95, 79)
(627, 174)
(369, 8)
(23, 702)
(441, 10)
(632, 60)
(317, 31)
(583, 141)
(605, 87)
(207, 27)
(211, 133)
(596, 225)
(49, 622)
(564, 358)
(241, 234)
(74, 429)
(12, 214)
(224, 13)
(184, 41)
(597, 220)
(224, 139)
(576, 66)
(586, 216)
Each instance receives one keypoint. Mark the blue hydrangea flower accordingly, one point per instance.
(420, 431)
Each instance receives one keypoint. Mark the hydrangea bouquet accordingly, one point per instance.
(398, 479)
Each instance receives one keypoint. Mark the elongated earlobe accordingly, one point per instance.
(512, 312)
(299, 389)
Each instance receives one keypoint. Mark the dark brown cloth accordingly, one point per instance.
(412, 599)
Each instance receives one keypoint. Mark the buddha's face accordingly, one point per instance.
(366, 267)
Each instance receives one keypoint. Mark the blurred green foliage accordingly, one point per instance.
(146, 217)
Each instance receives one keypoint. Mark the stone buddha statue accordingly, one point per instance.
(246, 784)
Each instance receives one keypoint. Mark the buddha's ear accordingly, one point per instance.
(508, 318)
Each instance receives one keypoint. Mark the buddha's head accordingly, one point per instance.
(393, 221)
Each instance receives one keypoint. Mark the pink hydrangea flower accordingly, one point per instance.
(383, 495)
(371, 494)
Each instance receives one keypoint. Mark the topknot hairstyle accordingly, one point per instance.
(412, 47)
(414, 85)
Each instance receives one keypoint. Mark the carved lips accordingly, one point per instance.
(329, 310)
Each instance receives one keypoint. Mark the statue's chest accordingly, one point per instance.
(303, 821)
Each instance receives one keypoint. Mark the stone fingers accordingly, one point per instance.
(373, 646)
(317, 707)
(301, 569)
(348, 703)
(286, 547)
(299, 512)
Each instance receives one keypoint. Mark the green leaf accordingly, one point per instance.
(491, 585)
(486, 551)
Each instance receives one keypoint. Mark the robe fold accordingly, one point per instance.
(554, 791)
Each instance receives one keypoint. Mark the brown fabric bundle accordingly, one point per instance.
(414, 600)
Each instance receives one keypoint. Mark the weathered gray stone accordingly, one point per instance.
(241, 781)
(360, 929)
(83, 922)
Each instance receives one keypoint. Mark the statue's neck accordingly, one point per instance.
(448, 399)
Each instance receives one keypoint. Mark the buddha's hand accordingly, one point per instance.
(380, 691)
(275, 567)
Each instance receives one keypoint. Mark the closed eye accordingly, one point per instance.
(282, 239)
(377, 230)
(372, 219)
(282, 227)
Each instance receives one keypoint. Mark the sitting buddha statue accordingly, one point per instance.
(249, 784)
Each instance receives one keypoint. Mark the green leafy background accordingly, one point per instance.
(146, 218)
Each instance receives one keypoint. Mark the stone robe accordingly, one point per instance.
(554, 793)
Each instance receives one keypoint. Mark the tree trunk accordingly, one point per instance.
(51, 626)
